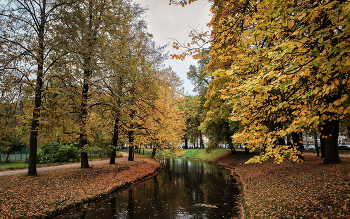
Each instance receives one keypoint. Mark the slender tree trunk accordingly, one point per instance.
(316, 145)
(115, 139)
(289, 142)
(131, 147)
(232, 148)
(331, 143)
(201, 139)
(323, 141)
(281, 141)
(33, 139)
(297, 142)
(154, 152)
(7, 157)
(186, 143)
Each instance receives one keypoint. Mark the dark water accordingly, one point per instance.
(183, 189)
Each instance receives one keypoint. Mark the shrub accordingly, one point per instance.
(57, 152)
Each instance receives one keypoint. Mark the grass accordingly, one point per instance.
(202, 154)
(21, 165)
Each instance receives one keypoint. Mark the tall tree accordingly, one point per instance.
(27, 46)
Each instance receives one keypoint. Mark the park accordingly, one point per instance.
(94, 123)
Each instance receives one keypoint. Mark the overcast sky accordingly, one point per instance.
(169, 22)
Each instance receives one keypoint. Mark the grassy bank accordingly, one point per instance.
(52, 191)
(302, 190)
(22, 165)
(202, 154)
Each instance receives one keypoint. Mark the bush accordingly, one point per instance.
(57, 152)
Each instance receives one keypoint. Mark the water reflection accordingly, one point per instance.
(183, 189)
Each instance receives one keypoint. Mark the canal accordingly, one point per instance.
(182, 189)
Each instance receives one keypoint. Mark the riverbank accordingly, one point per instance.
(302, 190)
(55, 190)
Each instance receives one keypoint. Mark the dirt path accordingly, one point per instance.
(64, 166)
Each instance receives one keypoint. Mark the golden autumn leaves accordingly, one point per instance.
(285, 68)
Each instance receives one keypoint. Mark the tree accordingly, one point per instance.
(27, 45)
(280, 60)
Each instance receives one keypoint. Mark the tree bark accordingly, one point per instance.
(323, 140)
(154, 152)
(84, 112)
(298, 143)
(186, 143)
(281, 141)
(33, 139)
(331, 142)
(232, 148)
(201, 139)
(316, 145)
(115, 140)
(131, 147)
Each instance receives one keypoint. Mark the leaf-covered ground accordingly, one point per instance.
(302, 190)
(25, 196)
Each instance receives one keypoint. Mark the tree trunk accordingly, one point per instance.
(154, 152)
(84, 112)
(323, 140)
(115, 140)
(298, 144)
(246, 151)
(316, 145)
(131, 147)
(331, 142)
(281, 141)
(201, 139)
(33, 139)
(232, 148)
(186, 143)
(7, 157)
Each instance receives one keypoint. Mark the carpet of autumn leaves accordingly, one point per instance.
(301, 190)
(25, 196)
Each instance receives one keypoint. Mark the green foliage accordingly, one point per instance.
(11, 142)
(57, 152)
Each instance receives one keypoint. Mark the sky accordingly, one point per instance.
(169, 23)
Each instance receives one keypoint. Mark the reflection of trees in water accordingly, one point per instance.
(131, 204)
(113, 207)
(175, 191)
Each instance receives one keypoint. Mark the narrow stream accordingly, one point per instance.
(183, 189)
